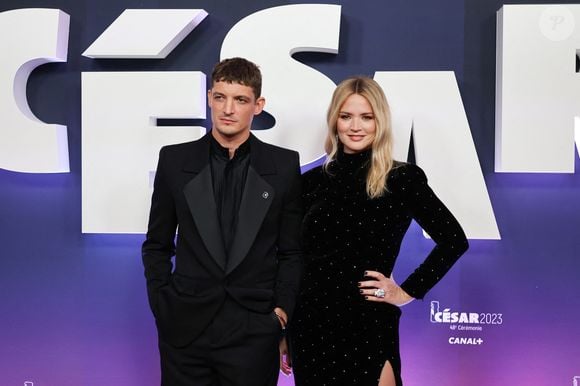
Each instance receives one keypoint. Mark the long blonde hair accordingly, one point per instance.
(382, 148)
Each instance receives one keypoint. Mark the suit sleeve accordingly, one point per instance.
(159, 245)
(289, 243)
(432, 215)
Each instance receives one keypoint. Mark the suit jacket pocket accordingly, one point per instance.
(267, 323)
(185, 285)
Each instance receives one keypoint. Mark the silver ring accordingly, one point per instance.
(380, 293)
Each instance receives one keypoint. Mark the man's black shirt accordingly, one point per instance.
(229, 179)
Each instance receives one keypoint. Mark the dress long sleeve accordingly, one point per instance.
(434, 217)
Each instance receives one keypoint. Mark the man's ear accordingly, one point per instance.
(260, 102)
(209, 98)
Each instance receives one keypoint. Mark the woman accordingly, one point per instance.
(359, 205)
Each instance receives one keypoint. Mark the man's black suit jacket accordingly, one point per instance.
(264, 266)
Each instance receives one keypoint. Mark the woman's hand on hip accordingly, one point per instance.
(383, 289)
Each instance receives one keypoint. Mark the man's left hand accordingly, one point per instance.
(282, 317)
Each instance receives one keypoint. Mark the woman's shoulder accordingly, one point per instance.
(313, 178)
(405, 174)
(313, 175)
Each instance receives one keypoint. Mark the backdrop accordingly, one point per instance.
(73, 307)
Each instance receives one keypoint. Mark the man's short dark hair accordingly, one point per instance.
(238, 70)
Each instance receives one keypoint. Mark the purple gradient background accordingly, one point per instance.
(73, 308)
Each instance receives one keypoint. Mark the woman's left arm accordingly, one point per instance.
(434, 217)
(410, 184)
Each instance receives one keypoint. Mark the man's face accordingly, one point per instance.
(233, 107)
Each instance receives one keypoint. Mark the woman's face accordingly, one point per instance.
(356, 124)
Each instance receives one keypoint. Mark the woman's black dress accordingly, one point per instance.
(338, 338)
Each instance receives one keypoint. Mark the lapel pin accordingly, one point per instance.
(265, 195)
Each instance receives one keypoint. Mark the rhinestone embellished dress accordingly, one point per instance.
(338, 338)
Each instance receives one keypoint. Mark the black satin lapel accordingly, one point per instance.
(256, 201)
(199, 196)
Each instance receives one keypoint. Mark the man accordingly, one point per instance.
(235, 202)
